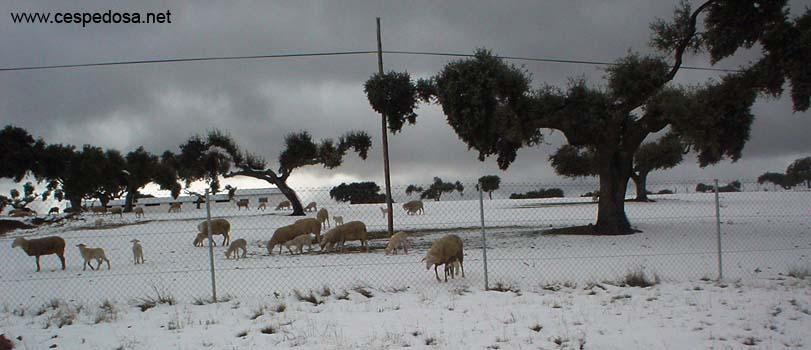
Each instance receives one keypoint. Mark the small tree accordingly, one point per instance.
(459, 188)
(800, 171)
(413, 189)
(142, 168)
(18, 152)
(777, 179)
(358, 193)
(19, 200)
(436, 189)
(489, 184)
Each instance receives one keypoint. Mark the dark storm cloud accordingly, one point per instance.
(259, 101)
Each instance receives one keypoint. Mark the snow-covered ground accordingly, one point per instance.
(764, 235)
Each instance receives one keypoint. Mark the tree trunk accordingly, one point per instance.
(298, 209)
(490, 194)
(132, 194)
(640, 181)
(614, 170)
(76, 203)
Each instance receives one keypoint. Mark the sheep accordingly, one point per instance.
(339, 220)
(262, 206)
(397, 239)
(42, 246)
(284, 234)
(175, 207)
(350, 231)
(299, 242)
(234, 248)
(117, 210)
(137, 251)
(89, 254)
(384, 211)
(323, 217)
(445, 251)
(242, 203)
(99, 210)
(218, 227)
(311, 207)
(139, 212)
(283, 205)
(414, 207)
(54, 211)
(310, 225)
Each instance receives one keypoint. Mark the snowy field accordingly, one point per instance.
(765, 235)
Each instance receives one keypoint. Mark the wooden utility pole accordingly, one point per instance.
(386, 169)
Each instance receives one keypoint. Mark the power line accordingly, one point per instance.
(324, 54)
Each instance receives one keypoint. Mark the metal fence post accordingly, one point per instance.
(718, 231)
(484, 238)
(211, 249)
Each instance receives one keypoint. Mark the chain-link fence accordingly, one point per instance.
(763, 230)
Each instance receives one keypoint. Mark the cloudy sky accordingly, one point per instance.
(259, 101)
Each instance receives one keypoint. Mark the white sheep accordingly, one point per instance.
(137, 251)
(445, 251)
(262, 206)
(384, 211)
(350, 231)
(310, 225)
(89, 254)
(414, 207)
(234, 248)
(139, 212)
(299, 242)
(175, 207)
(323, 217)
(117, 210)
(242, 203)
(284, 234)
(283, 205)
(397, 239)
(339, 220)
(53, 211)
(98, 210)
(42, 246)
(311, 207)
(218, 227)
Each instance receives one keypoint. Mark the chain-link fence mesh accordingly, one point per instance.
(765, 231)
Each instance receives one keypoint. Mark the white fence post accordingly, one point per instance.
(718, 231)
(211, 249)
(484, 238)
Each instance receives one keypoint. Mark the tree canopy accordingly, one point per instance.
(489, 184)
(358, 193)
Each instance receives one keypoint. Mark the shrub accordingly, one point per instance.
(542, 193)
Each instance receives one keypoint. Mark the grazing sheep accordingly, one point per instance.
(234, 248)
(218, 227)
(414, 207)
(242, 203)
(445, 251)
(175, 207)
(42, 246)
(384, 211)
(397, 239)
(452, 268)
(311, 207)
(299, 242)
(350, 231)
(284, 234)
(339, 220)
(262, 206)
(139, 212)
(137, 251)
(310, 225)
(323, 217)
(89, 254)
(54, 211)
(98, 210)
(283, 205)
(117, 210)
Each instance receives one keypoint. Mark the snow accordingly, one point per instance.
(764, 235)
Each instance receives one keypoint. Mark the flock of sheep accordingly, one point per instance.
(446, 251)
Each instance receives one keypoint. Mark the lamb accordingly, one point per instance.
(262, 206)
(445, 251)
(384, 211)
(397, 239)
(242, 203)
(323, 217)
(283, 205)
(311, 207)
(99, 210)
(310, 225)
(284, 234)
(299, 242)
(175, 207)
(218, 227)
(54, 211)
(139, 212)
(350, 231)
(42, 246)
(234, 248)
(89, 254)
(339, 220)
(137, 251)
(117, 210)
(414, 207)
